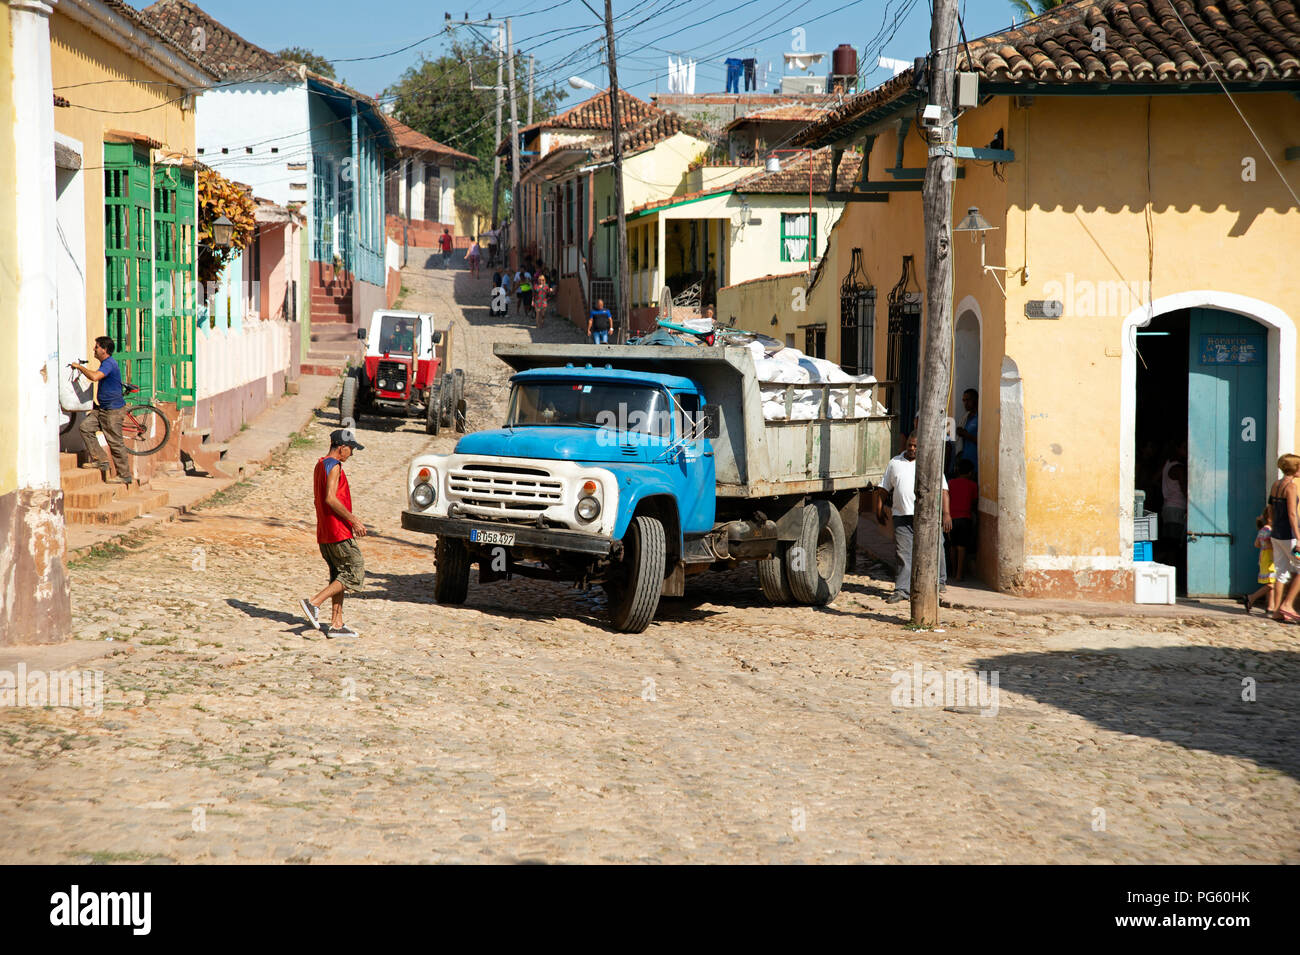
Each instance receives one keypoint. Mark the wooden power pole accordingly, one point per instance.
(516, 226)
(623, 305)
(936, 198)
(531, 63)
(496, 155)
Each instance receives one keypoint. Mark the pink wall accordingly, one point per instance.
(274, 269)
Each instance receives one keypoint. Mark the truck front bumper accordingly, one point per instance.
(459, 528)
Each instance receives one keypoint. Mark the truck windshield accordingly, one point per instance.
(641, 409)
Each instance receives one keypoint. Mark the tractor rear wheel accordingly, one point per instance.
(433, 411)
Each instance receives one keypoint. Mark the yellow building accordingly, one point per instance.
(1134, 289)
(130, 95)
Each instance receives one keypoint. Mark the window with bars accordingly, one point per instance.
(814, 341)
(174, 289)
(798, 237)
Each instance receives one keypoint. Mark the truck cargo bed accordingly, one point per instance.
(753, 457)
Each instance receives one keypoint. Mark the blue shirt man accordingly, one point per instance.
(598, 323)
(107, 414)
(969, 432)
(109, 396)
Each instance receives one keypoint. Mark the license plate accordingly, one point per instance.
(491, 537)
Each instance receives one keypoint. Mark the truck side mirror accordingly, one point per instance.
(437, 338)
(712, 421)
(361, 334)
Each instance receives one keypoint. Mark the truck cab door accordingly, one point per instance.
(694, 467)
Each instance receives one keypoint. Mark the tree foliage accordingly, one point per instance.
(436, 97)
(1028, 9)
(218, 196)
(313, 61)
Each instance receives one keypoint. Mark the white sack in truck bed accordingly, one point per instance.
(791, 366)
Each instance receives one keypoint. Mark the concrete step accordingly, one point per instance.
(322, 367)
(67, 461)
(203, 433)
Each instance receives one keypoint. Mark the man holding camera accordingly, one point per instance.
(107, 415)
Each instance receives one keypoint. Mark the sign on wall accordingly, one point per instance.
(1231, 349)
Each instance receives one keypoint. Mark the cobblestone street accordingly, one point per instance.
(518, 727)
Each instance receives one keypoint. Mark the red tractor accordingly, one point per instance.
(406, 372)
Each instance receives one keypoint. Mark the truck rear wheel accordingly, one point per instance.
(771, 577)
(634, 593)
(447, 392)
(458, 404)
(451, 577)
(815, 562)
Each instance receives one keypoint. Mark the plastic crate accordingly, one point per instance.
(1142, 550)
(1146, 527)
(1154, 583)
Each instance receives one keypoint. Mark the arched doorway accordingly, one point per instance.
(965, 377)
(1201, 373)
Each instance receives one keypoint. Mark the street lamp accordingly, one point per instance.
(774, 165)
(975, 223)
(222, 231)
(578, 83)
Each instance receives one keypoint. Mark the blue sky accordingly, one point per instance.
(565, 36)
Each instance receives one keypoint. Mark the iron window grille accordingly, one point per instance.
(904, 349)
(857, 319)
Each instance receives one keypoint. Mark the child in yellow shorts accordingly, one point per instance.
(1267, 571)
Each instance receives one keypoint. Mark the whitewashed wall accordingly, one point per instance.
(231, 358)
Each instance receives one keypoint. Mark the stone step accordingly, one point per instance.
(113, 512)
(90, 498)
(67, 461)
(203, 433)
(79, 479)
(322, 367)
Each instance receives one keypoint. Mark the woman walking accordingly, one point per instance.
(1280, 514)
(541, 294)
(472, 256)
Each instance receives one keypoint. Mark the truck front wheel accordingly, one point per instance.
(639, 579)
(815, 562)
(451, 565)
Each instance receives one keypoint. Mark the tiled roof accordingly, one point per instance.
(791, 113)
(226, 54)
(669, 100)
(139, 19)
(1250, 41)
(408, 138)
(654, 129)
(594, 113)
(793, 177)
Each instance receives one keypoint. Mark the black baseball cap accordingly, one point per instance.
(344, 438)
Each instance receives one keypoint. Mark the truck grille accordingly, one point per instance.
(505, 490)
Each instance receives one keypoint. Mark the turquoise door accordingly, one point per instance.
(1226, 432)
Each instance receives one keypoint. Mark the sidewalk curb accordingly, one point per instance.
(138, 528)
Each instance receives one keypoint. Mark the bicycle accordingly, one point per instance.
(145, 429)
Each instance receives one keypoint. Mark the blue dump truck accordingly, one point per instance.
(636, 467)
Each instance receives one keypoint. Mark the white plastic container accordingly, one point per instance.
(1145, 527)
(1154, 583)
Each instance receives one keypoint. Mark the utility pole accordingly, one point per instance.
(936, 197)
(516, 232)
(496, 156)
(531, 61)
(622, 308)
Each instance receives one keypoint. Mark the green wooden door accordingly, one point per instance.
(128, 267)
(174, 312)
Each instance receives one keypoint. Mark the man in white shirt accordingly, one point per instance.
(897, 492)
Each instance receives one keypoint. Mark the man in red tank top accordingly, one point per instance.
(336, 528)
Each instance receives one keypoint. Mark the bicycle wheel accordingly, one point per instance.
(144, 429)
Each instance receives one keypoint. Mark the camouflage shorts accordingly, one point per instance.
(345, 563)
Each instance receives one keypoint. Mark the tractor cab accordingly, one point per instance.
(400, 359)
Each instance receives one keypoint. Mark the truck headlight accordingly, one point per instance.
(588, 509)
(383, 383)
(423, 495)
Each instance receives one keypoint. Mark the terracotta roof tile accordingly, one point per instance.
(793, 177)
(408, 138)
(1147, 41)
(146, 23)
(226, 54)
(794, 112)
